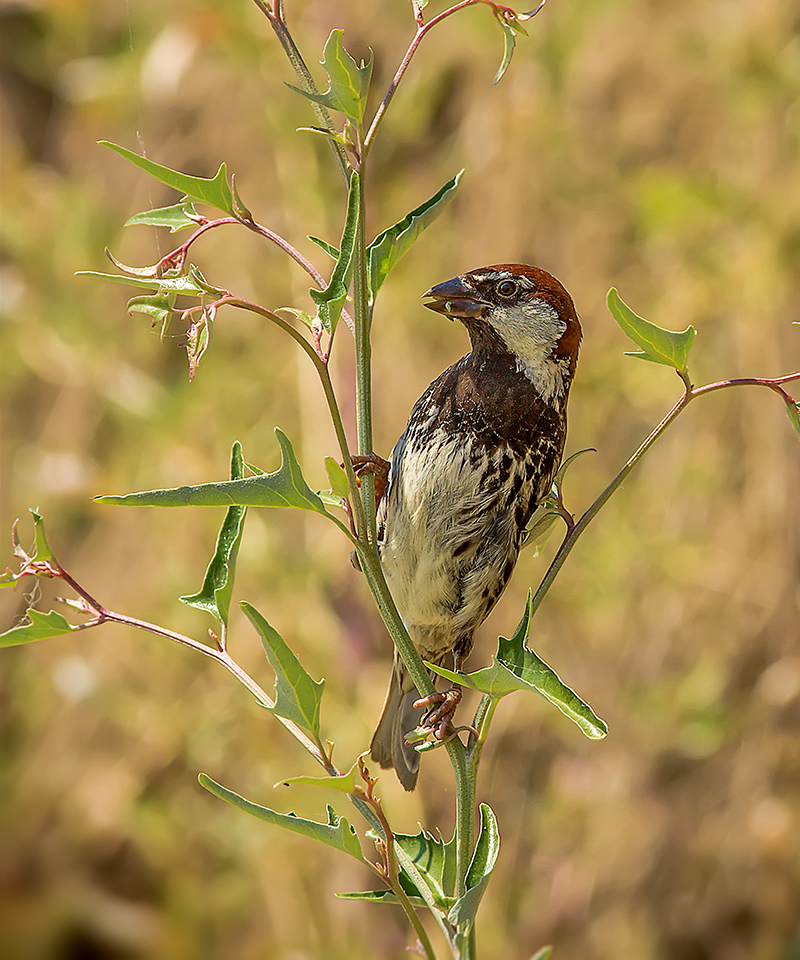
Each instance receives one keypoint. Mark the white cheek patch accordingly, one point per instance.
(531, 330)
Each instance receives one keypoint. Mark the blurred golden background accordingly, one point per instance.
(653, 146)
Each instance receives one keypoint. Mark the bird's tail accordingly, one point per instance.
(399, 718)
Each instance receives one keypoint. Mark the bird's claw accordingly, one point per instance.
(372, 464)
(441, 708)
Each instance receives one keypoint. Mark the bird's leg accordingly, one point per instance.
(378, 467)
(442, 706)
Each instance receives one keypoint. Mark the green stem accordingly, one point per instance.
(278, 24)
(465, 788)
(574, 532)
(363, 329)
(690, 393)
(344, 449)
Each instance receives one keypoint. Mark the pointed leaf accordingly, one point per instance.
(284, 488)
(510, 41)
(333, 252)
(40, 626)
(217, 590)
(345, 783)
(517, 667)
(546, 952)
(480, 870)
(336, 833)
(214, 191)
(42, 549)
(657, 344)
(388, 247)
(331, 300)
(793, 413)
(183, 284)
(380, 896)
(339, 486)
(177, 217)
(348, 84)
(297, 694)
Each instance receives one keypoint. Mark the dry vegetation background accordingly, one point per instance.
(651, 145)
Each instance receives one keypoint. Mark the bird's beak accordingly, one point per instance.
(455, 299)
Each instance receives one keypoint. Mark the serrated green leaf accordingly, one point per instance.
(339, 486)
(336, 833)
(331, 300)
(517, 667)
(348, 84)
(510, 42)
(177, 217)
(435, 865)
(215, 191)
(333, 252)
(40, 627)
(388, 247)
(284, 488)
(158, 306)
(297, 694)
(215, 595)
(657, 344)
(793, 413)
(480, 870)
(345, 783)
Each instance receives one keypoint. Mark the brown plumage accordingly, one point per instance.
(481, 449)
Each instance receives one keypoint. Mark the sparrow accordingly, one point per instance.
(481, 449)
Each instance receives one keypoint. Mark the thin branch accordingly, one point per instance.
(277, 20)
(422, 30)
(104, 615)
(690, 393)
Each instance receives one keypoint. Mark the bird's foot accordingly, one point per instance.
(372, 464)
(441, 709)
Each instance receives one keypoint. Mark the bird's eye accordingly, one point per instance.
(507, 288)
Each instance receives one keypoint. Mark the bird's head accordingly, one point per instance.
(517, 309)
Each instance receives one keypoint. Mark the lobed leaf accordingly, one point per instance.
(177, 217)
(388, 247)
(480, 870)
(656, 344)
(40, 626)
(284, 488)
(336, 833)
(214, 191)
(158, 306)
(435, 863)
(517, 667)
(297, 694)
(215, 594)
(348, 84)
